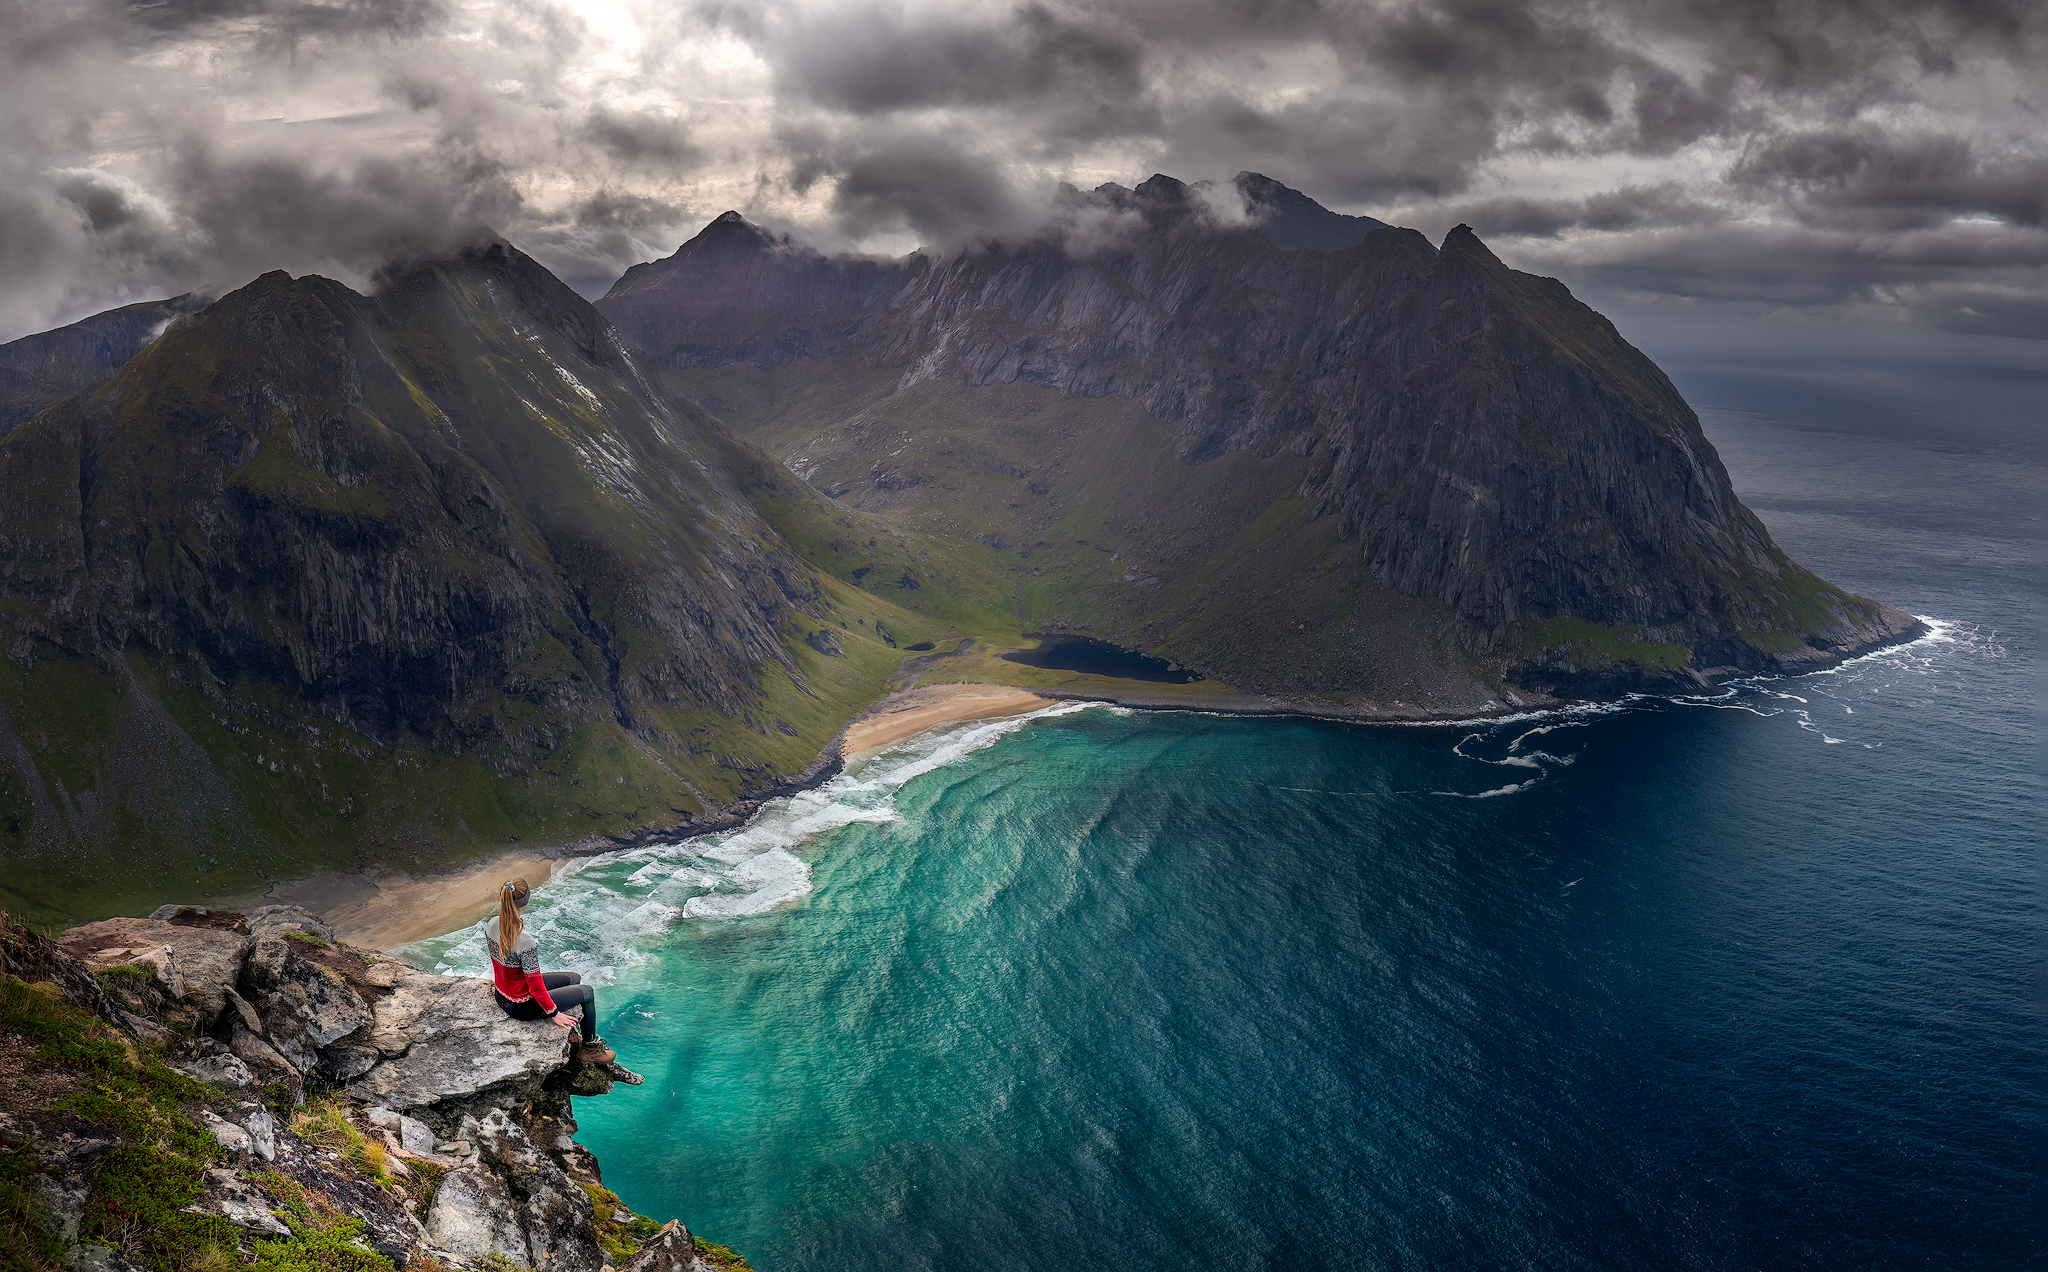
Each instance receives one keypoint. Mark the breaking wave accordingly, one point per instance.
(598, 914)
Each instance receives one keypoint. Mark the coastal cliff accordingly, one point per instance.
(205, 1090)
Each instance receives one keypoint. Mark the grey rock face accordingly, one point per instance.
(226, 1072)
(233, 1138)
(263, 1059)
(262, 1130)
(276, 920)
(473, 1216)
(444, 1038)
(59, 1201)
(557, 1214)
(415, 1136)
(304, 1006)
(197, 965)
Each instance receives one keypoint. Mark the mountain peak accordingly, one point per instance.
(1462, 243)
(1161, 186)
(1291, 221)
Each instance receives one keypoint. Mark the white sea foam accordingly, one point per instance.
(598, 915)
(1544, 762)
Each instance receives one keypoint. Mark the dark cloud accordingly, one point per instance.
(943, 195)
(1872, 179)
(1966, 277)
(874, 59)
(1836, 152)
(643, 139)
(1629, 208)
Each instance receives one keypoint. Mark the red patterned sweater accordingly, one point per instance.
(518, 980)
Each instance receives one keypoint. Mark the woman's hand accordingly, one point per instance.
(563, 1020)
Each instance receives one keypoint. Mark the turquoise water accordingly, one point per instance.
(1728, 985)
(1140, 988)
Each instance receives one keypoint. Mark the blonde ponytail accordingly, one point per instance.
(511, 895)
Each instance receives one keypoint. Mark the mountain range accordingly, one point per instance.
(300, 578)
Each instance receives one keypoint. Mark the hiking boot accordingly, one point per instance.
(595, 1052)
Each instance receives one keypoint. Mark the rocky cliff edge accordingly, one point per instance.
(200, 1091)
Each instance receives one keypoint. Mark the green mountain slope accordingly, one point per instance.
(322, 580)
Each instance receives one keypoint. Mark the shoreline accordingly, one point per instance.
(381, 909)
(907, 713)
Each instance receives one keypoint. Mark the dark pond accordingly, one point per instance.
(1099, 658)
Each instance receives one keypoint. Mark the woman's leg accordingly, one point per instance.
(578, 996)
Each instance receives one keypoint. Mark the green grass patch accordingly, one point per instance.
(139, 1187)
(322, 1239)
(1598, 644)
(137, 1206)
(1776, 642)
(26, 1245)
(325, 1121)
(619, 1230)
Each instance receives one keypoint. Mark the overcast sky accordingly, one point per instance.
(1861, 161)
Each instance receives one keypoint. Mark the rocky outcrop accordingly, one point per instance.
(671, 1250)
(437, 1038)
(349, 1094)
(196, 966)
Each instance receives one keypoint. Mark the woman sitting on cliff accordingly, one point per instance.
(526, 992)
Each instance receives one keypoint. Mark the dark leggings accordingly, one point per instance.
(568, 990)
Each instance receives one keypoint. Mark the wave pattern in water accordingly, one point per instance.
(600, 913)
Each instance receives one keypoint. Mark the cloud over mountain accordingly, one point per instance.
(1882, 154)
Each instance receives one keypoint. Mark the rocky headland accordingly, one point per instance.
(201, 1090)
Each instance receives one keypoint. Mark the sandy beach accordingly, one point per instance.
(382, 910)
(907, 714)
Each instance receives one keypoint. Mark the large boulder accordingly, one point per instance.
(445, 1038)
(473, 1217)
(196, 966)
(276, 920)
(558, 1215)
(304, 1006)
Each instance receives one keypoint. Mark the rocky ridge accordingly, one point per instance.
(1392, 468)
(278, 1098)
(42, 370)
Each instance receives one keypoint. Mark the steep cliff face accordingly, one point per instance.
(318, 574)
(1343, 458)
(42, 370)
(376, 500)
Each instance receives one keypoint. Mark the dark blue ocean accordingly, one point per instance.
(1740, 984)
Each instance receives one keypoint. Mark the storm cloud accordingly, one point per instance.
(1883, 158)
